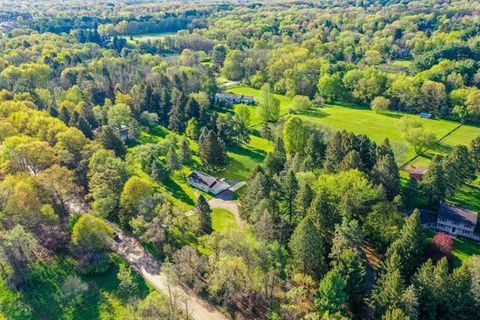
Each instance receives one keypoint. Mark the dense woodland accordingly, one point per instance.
(315, 207)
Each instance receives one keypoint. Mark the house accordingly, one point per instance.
(232, 98)
(417, 173)
(454, 220)
(123, 132)
(425, 115)
(207, 183)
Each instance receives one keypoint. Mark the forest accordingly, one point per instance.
(346, 134)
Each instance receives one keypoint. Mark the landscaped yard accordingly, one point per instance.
(223, 220)
(242, 159)
(463, 249)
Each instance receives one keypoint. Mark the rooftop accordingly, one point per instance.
(202, 178)
(457, 214)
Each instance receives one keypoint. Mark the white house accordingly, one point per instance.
(454, 220)
(207, 183)
(231, 98)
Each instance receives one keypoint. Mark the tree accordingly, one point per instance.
(135, 192)
(383, 225)
(295, 135)
(73, 289)
(434, 97)
(303, 200)
(219, 53)
(158, 171)
(17, 248)
(110, 140)
(193, 129)
(243, 114)
(31, 157)
(433, 184)
(126, 281)
(300, 104)
(315, 151)
(458, 168)
(411, 193)
(290, 190)
(177, 115)
(441, 246)
(475, 152)
(174, 162)
(332, 296)
(299, 297)
(185, 152)
(204, 212)
(395, 314)
(330, 87)
(91, 233)
(269, 105)
(473, 103)
(308, 249)
(385, 173)
(420, 139)
(212, 150)
(380, 104)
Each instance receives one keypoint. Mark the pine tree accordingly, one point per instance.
(204, 212)
(185, 152)
(64, 115)
(475, 152)
(433, 183)
(158, 171)
(303, 201)
(308, 249)
(173, 161)
(410, 245)
(314, 151)
(110, 140)
(324, 215)
(176, 117)
(385, 172)
(333, 154)
(367, 150)
(164, 106)
(458, 167)
(192, 109)
(411, 193)
(351, 161)
(212, 150)
(290, 190)
(385, 149)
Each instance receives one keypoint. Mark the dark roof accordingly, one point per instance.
(457, 214)
(202, 178)
(233, 96)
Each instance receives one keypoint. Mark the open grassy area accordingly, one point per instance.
(223, 220)
(285, 102)
(42, 297)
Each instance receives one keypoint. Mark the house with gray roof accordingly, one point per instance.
(232, 98)
(454, 220)
(207, 183)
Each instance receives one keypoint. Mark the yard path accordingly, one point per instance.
(130, 249)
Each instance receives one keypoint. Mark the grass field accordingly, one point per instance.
(42, 298)
(223, 220)
(285, 102)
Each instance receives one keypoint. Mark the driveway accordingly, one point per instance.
(130, 249)
(225, 201)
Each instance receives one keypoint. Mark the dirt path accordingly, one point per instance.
(130, 249)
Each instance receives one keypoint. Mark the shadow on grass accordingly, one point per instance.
(178, 192)
(316, 113)
(248, 152)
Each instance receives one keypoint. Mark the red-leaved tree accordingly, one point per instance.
(441, 246)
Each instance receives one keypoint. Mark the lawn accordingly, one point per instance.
(285, 102)
(223, 220)
(463, 249)
(41, 298)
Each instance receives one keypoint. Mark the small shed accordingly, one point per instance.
(417, 173)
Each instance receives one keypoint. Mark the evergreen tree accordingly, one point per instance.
(385, 149)
(348, 235)
(64, 115)
(385, 172)
(351, 161)
(324, 215)
(303, 201)
(173, 161)
(332, 296)
(177, 117)
(307, 249)
(314, 151)
(367, 149)
(258, 189)
(458, 167)
(204, 212)
(185, 152)
(334, 154)
(411, 193)
(350, 263)
(158, 171)
(192, 109)
(164, 106)
(433, 183)
(193, 129)
(110, 140)
(410, 245)
(212, 150)
(475, 152)
(290, 190)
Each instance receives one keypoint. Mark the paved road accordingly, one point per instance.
(130, 249)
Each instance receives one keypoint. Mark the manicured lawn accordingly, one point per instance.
(285, 102)
(42, 298)
(223, 220)
(463, 249)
